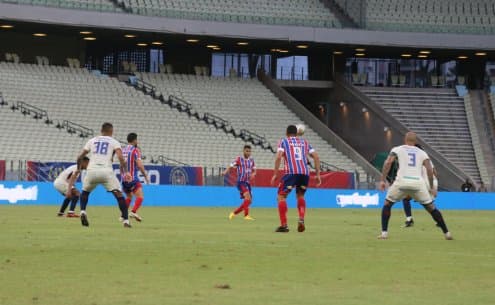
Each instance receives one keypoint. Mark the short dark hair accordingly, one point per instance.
(247, 146)
(291, 130)
(106, 127)
(85, 158)
(131, 137)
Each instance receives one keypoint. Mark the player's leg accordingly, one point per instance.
(62, 189)
(111, 184)
(285, 187)
(245, 193)
(73, 203)
(394, 194)
(138, 193)
(89, 183)
(406, 202)
(438, 218)
(301, 188)
(247, 202)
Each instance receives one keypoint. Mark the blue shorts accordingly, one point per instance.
(289, 181)
(243, 187)
(131, 187)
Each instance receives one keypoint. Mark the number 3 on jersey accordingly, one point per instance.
(101, 148)
(412, 159)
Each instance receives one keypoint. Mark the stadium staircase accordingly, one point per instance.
(438, 116)
(451, 176)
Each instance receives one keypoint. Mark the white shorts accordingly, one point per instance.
(417, 189)
(104, 176)
(61, 186)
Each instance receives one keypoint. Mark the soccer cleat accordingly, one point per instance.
(121, 219)
(72, 215)
(383, 235)
(135, 216)
(300, 226)
(247, 217)
(60, 214)
(408, 223)
(231, 216)
(282, 229)
(127, 224)
(84, 220)
(448, 236)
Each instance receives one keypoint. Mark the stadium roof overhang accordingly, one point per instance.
(110, 28)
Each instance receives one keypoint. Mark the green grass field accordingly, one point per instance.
(189, 256)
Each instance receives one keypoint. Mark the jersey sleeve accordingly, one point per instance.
(394, 151)
(87, 147)
(116, 145)
(235, 163)
(137, 154)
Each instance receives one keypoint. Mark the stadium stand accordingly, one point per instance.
(245, 103)
(92, 5)
(437, 115)
(75, 94)
(440, 16)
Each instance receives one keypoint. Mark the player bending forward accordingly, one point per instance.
(410, 182)
(295, 151)
(132, 154)
(100, 171)
(246, 170)
(61, 184)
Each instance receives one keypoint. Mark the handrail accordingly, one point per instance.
(74, 127)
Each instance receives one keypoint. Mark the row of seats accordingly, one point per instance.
(89, 100)
(92, 5)
(437, 115)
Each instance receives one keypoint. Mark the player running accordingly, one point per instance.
(132, 154)
(246, 170)
(71, 195)
(410, 182)
(100, 170)
(295, 151)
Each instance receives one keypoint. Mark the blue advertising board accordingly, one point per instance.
(39, 193)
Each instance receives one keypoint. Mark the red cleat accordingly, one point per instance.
(72, 215)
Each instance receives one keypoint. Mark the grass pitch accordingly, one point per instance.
(196, 256)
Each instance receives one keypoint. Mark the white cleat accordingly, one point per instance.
(448, 236)
(383, 235)
(135, 216)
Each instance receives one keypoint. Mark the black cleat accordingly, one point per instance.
(300, 226)
(127, 224)
(60, 214)
(84, 220)
(282, 229)
(408, 223)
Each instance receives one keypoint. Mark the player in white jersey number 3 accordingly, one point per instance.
(100, 171)
(410, 182)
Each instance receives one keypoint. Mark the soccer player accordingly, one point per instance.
(295, 151)
(246, 170)
(410, 182)
(71, 195)
(100, 171)
(132, 154)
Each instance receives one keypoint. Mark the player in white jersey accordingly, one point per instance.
(410, 182)
(71, 195)
(100, 170)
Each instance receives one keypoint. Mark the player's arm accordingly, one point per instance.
(123, 164)
(229, 167)
(83, 154)
(278, 160)
(386, 168)
(142, 170)
(316, 158)
(429, 172)
(72, 181)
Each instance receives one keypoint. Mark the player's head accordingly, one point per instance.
(410, 138)
(291, 131)
(107, 129)
(247, 151)
(132, 138)
(83, 162)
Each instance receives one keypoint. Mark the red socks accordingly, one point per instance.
(282, 212)
(243, 207)
(301, 207)
(137, 204)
